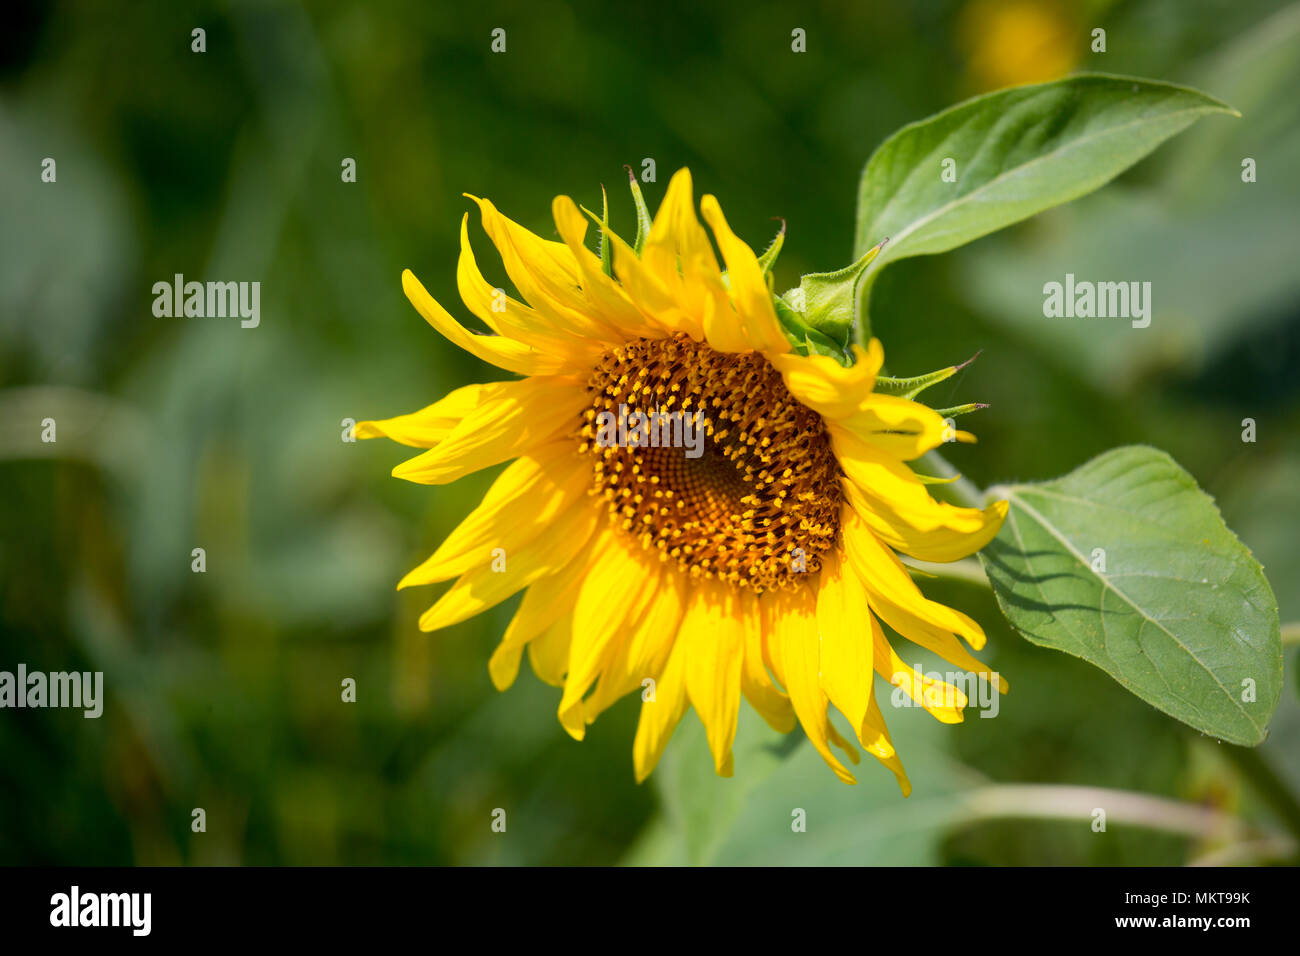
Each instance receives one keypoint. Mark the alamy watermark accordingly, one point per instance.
(129, 910)
(659, 429)
(82, 690)
(214, 300)
(1098, 300)
(941, 690)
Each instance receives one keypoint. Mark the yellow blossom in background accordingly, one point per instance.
(1012, 42)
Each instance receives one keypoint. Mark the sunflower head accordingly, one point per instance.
(759, 506)
(742, 538)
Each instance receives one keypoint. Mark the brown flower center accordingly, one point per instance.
(707, 457)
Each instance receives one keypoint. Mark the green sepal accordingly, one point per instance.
(920, 572)
(768, 259)
(830, 299)
(818, 316)
(909, 388)
(606, 250)
(805, 339)
(960, 409)
(642, 213)
(602, 223)
(934, 480)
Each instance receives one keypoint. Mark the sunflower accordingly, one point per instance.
(764, 565)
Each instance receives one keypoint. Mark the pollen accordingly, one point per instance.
(757, 506)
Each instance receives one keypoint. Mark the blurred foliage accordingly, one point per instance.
(223, 688)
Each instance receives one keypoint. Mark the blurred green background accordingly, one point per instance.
(223, 688)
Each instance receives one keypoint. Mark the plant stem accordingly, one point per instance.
(1060, 802)
(1036, 801)
(1259, 773)
(1277, 849)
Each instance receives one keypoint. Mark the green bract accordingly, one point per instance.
(818, 316)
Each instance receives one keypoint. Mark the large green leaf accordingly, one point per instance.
(1015, 152)
(1126, 563)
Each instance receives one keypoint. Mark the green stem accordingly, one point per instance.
(1259, 773)
(1038, 801)
(1270, 849)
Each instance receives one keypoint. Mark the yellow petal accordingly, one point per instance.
(431, 424)
(826, 386)
(546, 275)
(840, 741)
(875, 740)
(477, 590)
(513, 418)
(520, 505)
(497, 350)
(749, 291)
(890, 587)
(940, 698)
(899, 427)
(611, 597)
(606, 296)
(755, 681)
(544, 603)
(934, 639)
(658, 302)
(511, 318)
(795, 640)
(678, 252)
(645, 652)
(843, 618)
(722, 329)
(659, 717)
(549, 652)
(714, 654)
(503, 666)
(769, 612)
(898, 507)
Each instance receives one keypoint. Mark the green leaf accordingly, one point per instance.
(1127, 564)
(746, 820)
(1016, 152)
